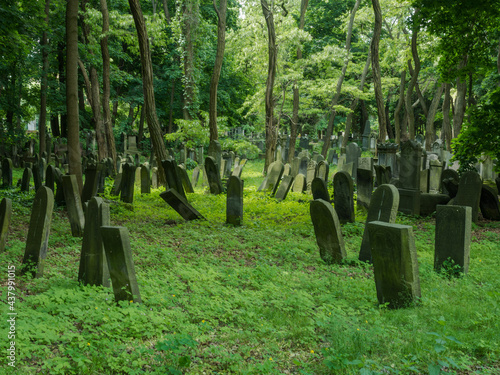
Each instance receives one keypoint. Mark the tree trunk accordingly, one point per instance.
(446, 116)
(414, 77)
(219, 57)
(430, 131)
(271, 135)
(54, 125)
(73, 124)
(106, 86)
(62, 83)
(165, 11)
(42, 125)
(140, 134)
(190, 23)
(147, 82)
(333, 111)
(397, 110)
(460, 102)
(377, 81)
(296, 97)
(390, 133)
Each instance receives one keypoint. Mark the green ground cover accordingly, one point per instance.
(255, 299)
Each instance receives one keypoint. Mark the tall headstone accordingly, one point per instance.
(195, 176)
(284, 188)
(311, 172)
(353, 152)
(322, 169)
(25, 182)
(213, 176)
(274, 174)
(127, 183)
(327, 230)
(120, 263)
(173, 176)
(469, 192)
(489, 205)
(387, 156)
(5, 216)
(409, 177)
(38, 233)
(145, 180)
(395, 263)
(90, 186)
(186, 182)
(383, 207)
(7, 168)
(383, 174)
(93, 266)
(234, 201)
(365, 187)
(449, 173)
(74, 205)
(319, 189)
(436, 169)
(343, 200)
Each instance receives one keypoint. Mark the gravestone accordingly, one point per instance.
(215, 151)
(303, 161)
(92, 175)
(387, 156)
(5, 217)
(322, 170)
(180, 204)
(120, 263)
(7, 173)
(424, 181)
(429, 202)
(50, 177)
(343, 200)
(25, 182)
(59, 195)
(327, 230)
(436, 169)
(469, 193)
(37, 177)
(196, 176)
(287, 169)
(452, 238)
(284, 188)
(395, 263)
(145, 180)
(383, 207)
(353, 152)
(299, 183)
(409, 175)
(365, 187)
(311, 172)
(449, 173)
(274, 174)
(383, 174)
(213, 176)
(172, 176)
(186, 183)
(117, 185)
(365, 163)
(319, 189)
(127, 183)
(74, 205)
(93, 266)
(38, 233)
(489, 205)
(137, 178)
(330, 157)
(450, 186)
(295, 167)
(234, 201)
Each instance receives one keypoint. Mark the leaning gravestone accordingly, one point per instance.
(383, 174)
(469, 192)
(319, 189)
(74, 205)
(38, 233)
(93, 266)
(452, 238)
(92, 175)
(322, 170)
(145, 180)
(25, 182)
(274, 174)
(186, 183)
(213, 176)
(5, 216)
(353, 152)
(395, 263)
(409, 177)
(284, 188)
(50, 177)
(365, 187)
(343, 200)
(120, 263)
(489, 205)
(127, 183)
(299, 183)
(181, 205)
(117, 184)
(311, 172)
(7, 173)
(195, 176)
(234, 201)
(327, 231)
(172, 176)
(59, 195)
(383, 207)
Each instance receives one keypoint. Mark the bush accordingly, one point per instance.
(241, 147)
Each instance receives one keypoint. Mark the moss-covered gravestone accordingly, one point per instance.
(449, 174)
(127, 183)
(274, 174)
(145, 180)
(25, 181)
(181, 205)
(234, 202)
(489, 204)
(395, 263)
(452, 238)
(92, 176)
(5, 216)
(365, 187)
(319, 189)
(93, 266)
(299, 183)
(50, 177)
(327, 229)
(186, 182)
(284, 188)
(469, 192)
(117, 184)
(74, 205)
(120, 263)
(343, 200)
(213, 176)
(195, 176)
(7, 173)
(173, 177)
(38, 233)
(383, 207)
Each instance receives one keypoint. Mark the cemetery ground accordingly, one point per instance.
(255, 299)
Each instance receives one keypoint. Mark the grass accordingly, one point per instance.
(255, 299)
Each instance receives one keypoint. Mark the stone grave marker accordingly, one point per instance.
(365, 187)
(383, 174)
(59, 198)
(274, 174)
(213, 176)
(154, 178)
(284, 188)
(395, 263)
(93, 265)
(7, 173)
(5, 217)
(322, 169)
(74, 205)
(436, 169)
(145, 180)
(117, 184)
(429, 202)
(353, 152)
(303, 161)
(287, 169)
(196, 176)
(489, 205)
(319, 189)
(299, 183)
(172, 176)
(311, 172)
(383, 207)
(180, 204)
(234, 201)
(186, 183)
(38, 233)
(50, 177)
(295, 166)
(328, 232)
(137, 179)
(449, 173)
(469, 192)
(424, 181)
(127, 183)
(409, 176)
(343, 200)
(120, 263)
(92, 175)
(25, 182)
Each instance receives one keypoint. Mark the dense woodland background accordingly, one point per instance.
(199, 67)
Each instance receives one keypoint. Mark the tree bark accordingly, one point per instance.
(190, 21)
(42, 124)
(446, 116)
(397, 110)
(430, 131)
(61, 47)
(460, 102)
(390, 133)
(74, 154)
(333, 111)
(219, 57)
(377, 81)
(147, 82)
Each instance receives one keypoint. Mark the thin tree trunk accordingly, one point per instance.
(446, 116)
(61, 47)
(397, 110)
(390, 133)
(43, 87)
(430, 131)
(147, 82)
(333, 111)
(171, 108)
(410, 117)
(219, 57)
(74, 154)
(460, 102)
(377, 81)
(190, 21)
(140, 134)
(165, 11)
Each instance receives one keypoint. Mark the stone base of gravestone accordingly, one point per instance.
(395, 264)
(328, 233)
(5, 217)
(180, 205)
(234, 202)
(409, 201)
(429, 202)
(452, 238)
(489, 204)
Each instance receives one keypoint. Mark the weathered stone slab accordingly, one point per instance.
(365, 187)
(74, 205)
(409, 201)
(343, 199)
(172, 176)
(274, 174)
(436, 169)
(59, 198)
(489, 205)
(452, 238)
(353, 152)
(90, 187)
(383, 174)
(424, 181)
(469, 193)
(7, 169)
(284, 188)
(181, 205)
(234, 201)
(327, 230)
(186, 182)
(117, 184)
(429, 202)
(450, 186)
(395, 263)
(383, 207)
(299, 183)
(127, 184)
(38, 233)
(93, 265)
(196, 176)
(212, 173)
(50, 177)
(410, 162)
(145, 180)
(120, 263)
(25, 182)
(5, 217)
(322, 170)
(215, 151)
(319, 189)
